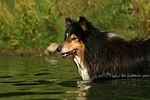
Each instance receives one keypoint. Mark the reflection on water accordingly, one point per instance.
(24, 78)
(82, 91)
(119, 89)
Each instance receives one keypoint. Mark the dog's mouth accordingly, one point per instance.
(65, 54)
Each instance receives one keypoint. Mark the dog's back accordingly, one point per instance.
(115, 57)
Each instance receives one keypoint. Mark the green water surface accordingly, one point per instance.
(54, 78)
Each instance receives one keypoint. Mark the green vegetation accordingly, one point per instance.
(29, 26)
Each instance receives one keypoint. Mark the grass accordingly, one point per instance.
(29, 26)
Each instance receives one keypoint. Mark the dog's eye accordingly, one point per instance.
(74, 38)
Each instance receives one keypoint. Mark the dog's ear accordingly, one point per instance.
(68, 21)
(83, 23)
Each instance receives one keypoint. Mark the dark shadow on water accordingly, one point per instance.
(121, 81)
(11, 94)
(41, 74)
(108, 89)
(5, 76)
(120, 89)
(69, 83)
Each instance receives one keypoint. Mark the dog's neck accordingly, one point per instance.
(82, 68)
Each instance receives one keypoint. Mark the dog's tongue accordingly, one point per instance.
(64, 55)
(67, 53)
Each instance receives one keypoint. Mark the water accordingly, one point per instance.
(34, 78)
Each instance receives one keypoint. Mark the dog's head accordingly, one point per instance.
(73, 41)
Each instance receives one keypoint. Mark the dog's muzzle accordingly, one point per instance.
(64, 54)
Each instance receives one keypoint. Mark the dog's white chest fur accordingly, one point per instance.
(81, 68)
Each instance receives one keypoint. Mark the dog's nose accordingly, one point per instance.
(59, 48)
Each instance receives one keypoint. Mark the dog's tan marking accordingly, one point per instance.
(73, 43)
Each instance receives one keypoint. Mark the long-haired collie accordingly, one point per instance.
(100, 54)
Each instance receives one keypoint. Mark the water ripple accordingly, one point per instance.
(11, 94)
(39, 82)
(5, 76)
(40, 74)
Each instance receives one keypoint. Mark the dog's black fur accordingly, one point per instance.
(106, 54)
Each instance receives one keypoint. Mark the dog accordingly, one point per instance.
(100, 54)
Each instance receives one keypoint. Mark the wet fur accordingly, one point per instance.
(104, 54)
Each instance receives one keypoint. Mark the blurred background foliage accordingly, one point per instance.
(31, 25)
